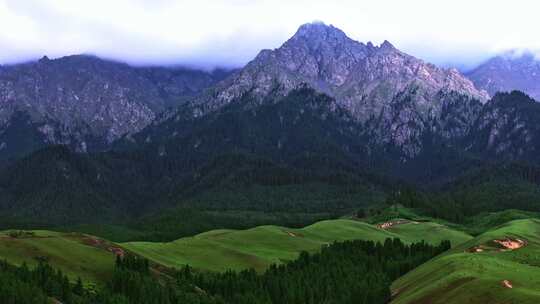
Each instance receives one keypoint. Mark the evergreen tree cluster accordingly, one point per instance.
(345, 272)
(20, 285)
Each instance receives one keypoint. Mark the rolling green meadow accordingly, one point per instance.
(78, 254)
(220, 250)
(457, 276)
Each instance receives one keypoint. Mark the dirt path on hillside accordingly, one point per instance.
(293, 234)
(99, 243)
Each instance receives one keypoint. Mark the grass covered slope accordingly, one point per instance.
(261, 246)
(480, 270)
(77, 255)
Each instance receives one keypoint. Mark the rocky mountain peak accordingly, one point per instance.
(44, 59)
(387, 46)
(324, 45)
(326, 59)
(319, 32)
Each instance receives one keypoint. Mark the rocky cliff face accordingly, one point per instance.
(509, 72)
(397, 97)
(508, 127)
(86, 102)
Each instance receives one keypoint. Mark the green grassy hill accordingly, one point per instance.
(461, 276)
(77, 255)
(259, 247)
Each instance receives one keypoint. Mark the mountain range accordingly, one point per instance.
(321, 114)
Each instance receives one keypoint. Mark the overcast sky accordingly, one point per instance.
(231, 32)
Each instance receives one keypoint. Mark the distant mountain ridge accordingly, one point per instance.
(508, 72)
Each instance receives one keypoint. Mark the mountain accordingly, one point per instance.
(289, 105)
(508, 72)
(395, 98)
(323, 124)
(86, 102)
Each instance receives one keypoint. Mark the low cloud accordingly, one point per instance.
(208, 33)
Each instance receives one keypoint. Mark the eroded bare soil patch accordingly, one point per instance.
(500, 245)
(507, 284)
(390, 224)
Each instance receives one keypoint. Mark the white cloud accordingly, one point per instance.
(231, 32)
